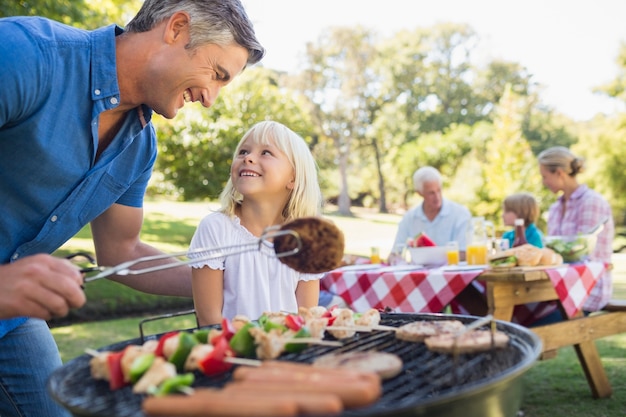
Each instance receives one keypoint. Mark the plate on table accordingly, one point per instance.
(360, 267)
(463, 267)
(401, 268)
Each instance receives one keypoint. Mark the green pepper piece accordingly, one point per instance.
(140, 365)
(173, 384)
(262, 320)
(202, 336)
(270, 325)
(186, 341)
(298, 347)
(242, 342)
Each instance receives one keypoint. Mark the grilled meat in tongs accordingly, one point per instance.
(308, 245)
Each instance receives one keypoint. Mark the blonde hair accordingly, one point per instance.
(306, 197)
(561, 157)
(524, 206)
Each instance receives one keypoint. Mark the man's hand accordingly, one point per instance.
(40, 286)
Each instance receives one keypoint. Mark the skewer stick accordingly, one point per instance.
(243, 361)
(358, 328)
(313, 341)
(92, 352)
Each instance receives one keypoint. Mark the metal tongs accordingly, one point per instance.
(206, 253)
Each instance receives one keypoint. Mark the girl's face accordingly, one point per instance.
(553, 181)
(508, 218)
(262, 170)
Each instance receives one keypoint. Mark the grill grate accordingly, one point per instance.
(427, 377)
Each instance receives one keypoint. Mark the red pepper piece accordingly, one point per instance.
(214, 363)
(159, 349)
(228, 330)
(294, 322)
(329, 315)
(115, 370)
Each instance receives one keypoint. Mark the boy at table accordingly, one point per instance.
(441, 219)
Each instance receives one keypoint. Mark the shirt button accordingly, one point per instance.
(54, 218)
(113, 100)
(97, 91)
(15, 256)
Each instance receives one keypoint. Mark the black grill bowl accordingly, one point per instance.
(430, 384)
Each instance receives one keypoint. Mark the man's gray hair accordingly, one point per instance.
(219, 22)
(425, 174)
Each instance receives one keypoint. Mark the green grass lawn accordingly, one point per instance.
(555, 387)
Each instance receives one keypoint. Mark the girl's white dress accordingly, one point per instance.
(255, 281)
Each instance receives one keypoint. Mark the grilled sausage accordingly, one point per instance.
(286, 367)
(210, 402)
(354, 394)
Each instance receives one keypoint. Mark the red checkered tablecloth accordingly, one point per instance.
(401, 290)
(572, 282)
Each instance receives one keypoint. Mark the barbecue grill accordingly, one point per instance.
(430, 384)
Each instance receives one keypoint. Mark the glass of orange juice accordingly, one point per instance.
(476, 254)
(452, 252)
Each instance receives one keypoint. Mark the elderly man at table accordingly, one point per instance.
(441, 219)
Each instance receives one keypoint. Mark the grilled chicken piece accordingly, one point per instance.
(317, 327)
(239, 321)
(343, 318)
(99, 366)
(370, 318)
(313, 312)
(269, 344)
(158, 372)
(131, 353)
(198, 352)
(170, 346)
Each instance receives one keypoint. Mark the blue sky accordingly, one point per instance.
(570, 46)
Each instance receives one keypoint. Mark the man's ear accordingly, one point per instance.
(177, 27)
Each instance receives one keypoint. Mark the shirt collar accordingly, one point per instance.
(443, 212)
(577, 194)
(103, 62)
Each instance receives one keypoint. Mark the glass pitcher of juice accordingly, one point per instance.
(480, 234)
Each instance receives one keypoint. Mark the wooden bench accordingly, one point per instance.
(581, 332)
(506, 289)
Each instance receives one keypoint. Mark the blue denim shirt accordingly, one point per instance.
(55, 81)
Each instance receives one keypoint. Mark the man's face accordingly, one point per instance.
(196, 77)
(432, 195)
(176, 75)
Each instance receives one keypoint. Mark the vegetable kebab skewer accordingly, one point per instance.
(167, 365)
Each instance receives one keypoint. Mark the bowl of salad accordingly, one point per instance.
(576, 248)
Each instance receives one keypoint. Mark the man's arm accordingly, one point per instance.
(116, 239)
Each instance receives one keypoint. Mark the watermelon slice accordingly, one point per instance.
(420, 240)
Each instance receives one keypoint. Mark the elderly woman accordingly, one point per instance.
(576, 211)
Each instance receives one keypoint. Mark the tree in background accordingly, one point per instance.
(337, 81)
(80, 13)
(375, 110)
(509, 164)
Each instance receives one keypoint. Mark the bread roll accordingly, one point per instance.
(550, 257)
(527, 255)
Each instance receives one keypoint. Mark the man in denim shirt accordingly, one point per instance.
(77, 147)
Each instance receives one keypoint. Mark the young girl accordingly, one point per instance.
(522, 206)
(273, 180)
